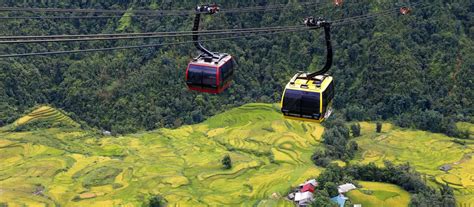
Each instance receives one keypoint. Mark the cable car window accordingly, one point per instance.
(310, 103)
(292, 101)
(194, 75)
(209, 77)
(202, 76)
(226, 72)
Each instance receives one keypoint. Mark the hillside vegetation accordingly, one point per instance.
(413, 69)
(73, 167)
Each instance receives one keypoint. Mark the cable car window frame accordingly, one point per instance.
(328, 95)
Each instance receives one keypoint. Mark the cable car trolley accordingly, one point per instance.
(209, 72)
(308, 96)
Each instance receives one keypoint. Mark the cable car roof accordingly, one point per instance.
(313, 85)
(214, 63)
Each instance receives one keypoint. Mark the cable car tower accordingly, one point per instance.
(209, 72)
(308, 96)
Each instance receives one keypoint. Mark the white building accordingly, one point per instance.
(313, 182)
(304, 199)
(346, 188)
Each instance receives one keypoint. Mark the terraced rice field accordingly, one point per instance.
(466, 127)
(71, 167)
(426, 152)
(46, 114)
(374, 194)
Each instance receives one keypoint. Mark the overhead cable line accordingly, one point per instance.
(148, 36)
(144, 46)
(113, 36)
(152, 12)
(158, 13)
(140, 35)
(335, 23)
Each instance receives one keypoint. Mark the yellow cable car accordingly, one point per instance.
(308, 100)
(308, 96)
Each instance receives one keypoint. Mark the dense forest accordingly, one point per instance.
(414, 70)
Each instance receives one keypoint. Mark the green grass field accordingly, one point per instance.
(68, 166)
(374, 194)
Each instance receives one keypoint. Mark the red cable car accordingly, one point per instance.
(337, 2)
(210, 72)
(211, 75)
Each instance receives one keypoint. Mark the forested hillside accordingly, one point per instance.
(416, 70)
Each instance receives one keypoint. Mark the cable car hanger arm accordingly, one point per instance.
(206, 9)
(318, 23)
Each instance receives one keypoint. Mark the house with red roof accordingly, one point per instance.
(308, 188)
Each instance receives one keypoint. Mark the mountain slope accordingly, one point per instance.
(73, 167)
(384, 67)
(269, 155)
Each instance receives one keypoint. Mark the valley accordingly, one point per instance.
(69, 166)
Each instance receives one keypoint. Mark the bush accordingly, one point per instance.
(156, 201)
(320, 158)
(321, 199)
(227, 162)
(352, 147)
(378, 127)
(355, 128)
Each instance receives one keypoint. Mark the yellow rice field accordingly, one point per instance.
(374, 194)
(182, 165)
(73, 167)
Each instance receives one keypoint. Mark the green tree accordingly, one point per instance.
(355, 128)
(156, 201)
(322, 199)
(447, 195)
(226, 162)
(378, 127)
